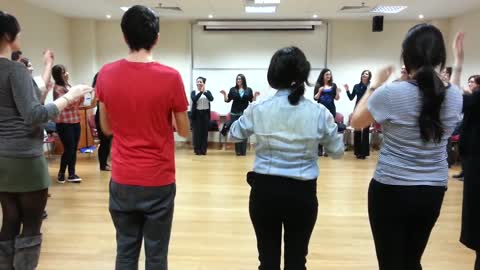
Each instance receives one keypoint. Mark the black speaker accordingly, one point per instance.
(377, 24)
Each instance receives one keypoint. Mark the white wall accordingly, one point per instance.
(173, 48)
(41, 29)
(469, 23)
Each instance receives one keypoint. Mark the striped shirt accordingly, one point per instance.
(405, 159)
(71, 114)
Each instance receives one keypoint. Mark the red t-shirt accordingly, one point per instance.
(140, 99)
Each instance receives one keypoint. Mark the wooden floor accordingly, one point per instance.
(212, 229)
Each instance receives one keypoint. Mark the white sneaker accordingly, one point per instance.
(74, 179)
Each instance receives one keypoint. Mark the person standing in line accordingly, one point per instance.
(417, 117)
(284, 177)
(242, 96)
(23, 192)
(140, 100)
(201, 99)
(361, 137)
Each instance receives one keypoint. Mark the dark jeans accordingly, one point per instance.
(200, 131)
(477, 261)
(362, 142)
(142, 213)
(277, 201)
(401, 219)
(70, 136)
(104, 148)
(241, 147)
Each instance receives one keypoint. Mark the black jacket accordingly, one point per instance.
(358, 90)
(239, 103)
(470, 134)
(195, 98)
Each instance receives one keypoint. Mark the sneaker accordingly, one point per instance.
(61, 179)
(74, 179)
(44, 215)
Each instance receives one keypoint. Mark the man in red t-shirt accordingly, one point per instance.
(138, 97)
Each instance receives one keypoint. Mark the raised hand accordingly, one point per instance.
(347, 88)
(223, 92)
(48, 57)
(79, 91)
(381, 76)
(458, 50)
(256, 94)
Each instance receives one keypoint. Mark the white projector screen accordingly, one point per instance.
(220, 55)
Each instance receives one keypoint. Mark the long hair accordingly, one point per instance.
(423, 50)
(244, 82)
(57, 74)
(289, 69)
(369, 76)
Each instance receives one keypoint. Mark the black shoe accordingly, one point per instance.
(107, 168)
(44, 215)
(458, 176)
(61, 178)
(74, 179)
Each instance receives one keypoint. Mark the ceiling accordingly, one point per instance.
(234, 9)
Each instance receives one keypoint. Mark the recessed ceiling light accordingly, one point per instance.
(388, 9)
(264, 2)
(315, 16)
(421, 17)
(124, 8)
(108, 16)
(210, 16)
(260, 9)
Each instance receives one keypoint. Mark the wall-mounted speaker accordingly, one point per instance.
(377, 24)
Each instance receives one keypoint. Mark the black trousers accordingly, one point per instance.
(361, 142)
(240, 148)
(142, 213)
(70, 136)
(277, 201)
(200, 131)
(401, 219)
(104, 148)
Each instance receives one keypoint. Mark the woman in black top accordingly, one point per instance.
(201, 99)
(105, 141)
(361, 137)
(241, 95)
(325, 93)
(470, 152)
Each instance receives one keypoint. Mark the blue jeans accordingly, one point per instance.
(142, 213)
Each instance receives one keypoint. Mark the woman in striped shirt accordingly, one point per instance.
(417, 117)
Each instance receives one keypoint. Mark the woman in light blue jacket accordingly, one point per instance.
(288, 129)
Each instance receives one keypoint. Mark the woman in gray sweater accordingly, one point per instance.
(24, 177)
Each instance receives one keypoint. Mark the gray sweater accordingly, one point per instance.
(22, 117)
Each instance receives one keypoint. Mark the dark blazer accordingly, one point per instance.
(240, 103)
(470, 134)
(196, 97)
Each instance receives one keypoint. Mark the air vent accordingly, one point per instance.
(355, 9)
(162, 7)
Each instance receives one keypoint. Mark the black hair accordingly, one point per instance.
(369, 75)
(321, 80)
(423, 50)
(476, 79)
(204, 80)
(25, 61)
(9, 27)
(16, 55)
(449, 71)
(244, 81)
(289, 69)
(140, 27)
(57, 74)
(94, 83)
